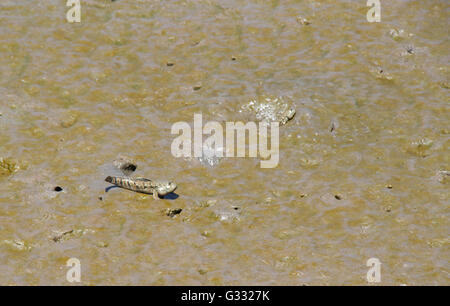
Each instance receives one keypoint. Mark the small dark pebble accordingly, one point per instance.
(173, 212)
(197, 87)
(129, 167)
(338, 197)
(236, 208)
(233, 58)
(410, 49)
(170, 64)
(58, 189)
(100, 198)
(332, 127)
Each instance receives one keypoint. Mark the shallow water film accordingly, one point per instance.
(363, 167)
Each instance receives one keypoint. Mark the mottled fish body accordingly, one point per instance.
(134, 184)
(143, 185)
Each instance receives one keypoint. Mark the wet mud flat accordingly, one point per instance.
(363, 169)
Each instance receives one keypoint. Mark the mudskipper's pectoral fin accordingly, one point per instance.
(155, 195)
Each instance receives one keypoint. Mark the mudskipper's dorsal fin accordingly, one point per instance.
(142, 179)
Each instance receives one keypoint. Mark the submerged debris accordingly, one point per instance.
(7, 166)
(173, 212)
(421, 147)
(58, 237)
(398, 34)
(303, 21)
(443, 176)
(102, 244)
(227, 213)
(410, 49)
(18, 244)
(65, 235)
(69, 119)
(333, 126)
(380, 73)
(271, 109)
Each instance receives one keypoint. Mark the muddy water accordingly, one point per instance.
(359, 166)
